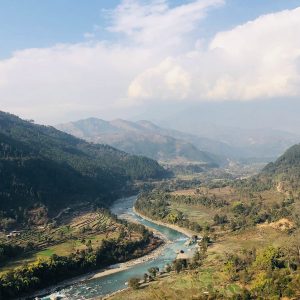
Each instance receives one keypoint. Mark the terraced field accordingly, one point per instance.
(75, 232)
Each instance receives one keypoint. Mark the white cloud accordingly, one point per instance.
(259, 59)
(159, 56)
(169, 79)
(68, 78)
(92, 77)
(268, 50)
(156, 22)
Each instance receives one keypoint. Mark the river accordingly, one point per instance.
(98, 287)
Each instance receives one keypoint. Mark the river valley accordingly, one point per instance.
(97, 287)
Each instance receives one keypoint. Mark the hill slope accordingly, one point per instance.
(141, 138)
(39, 164)
(286, 169)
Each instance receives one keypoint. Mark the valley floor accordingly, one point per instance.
(220, 275)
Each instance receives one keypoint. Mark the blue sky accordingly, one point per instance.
(35, 23)
(62, 60)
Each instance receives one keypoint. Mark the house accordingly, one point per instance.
(13, 234)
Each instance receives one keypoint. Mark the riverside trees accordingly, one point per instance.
(41, 274)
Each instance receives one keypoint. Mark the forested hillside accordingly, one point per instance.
(41, 165)
(286, 169)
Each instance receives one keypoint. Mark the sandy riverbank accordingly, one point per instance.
(104, 272)
(126, 265)
(185, 231)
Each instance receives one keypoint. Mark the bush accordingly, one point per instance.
(134, 283)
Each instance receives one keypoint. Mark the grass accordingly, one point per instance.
(196, 213)
(258, 236)
(46, 253)
(187, 285)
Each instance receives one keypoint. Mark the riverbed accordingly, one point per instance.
(104, 285)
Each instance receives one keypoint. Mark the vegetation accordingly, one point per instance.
(225, 208)
(157, 206)
(8, 252)
(44, 272)
(134, 283)
(266, 273)
(250, 227)
(41, 166)
(269, 273)
(66, 234)
(283, 174)
(253, 224)
(285, 170)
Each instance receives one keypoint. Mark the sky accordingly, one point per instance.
(62, 60)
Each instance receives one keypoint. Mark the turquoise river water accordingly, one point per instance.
(98, 287)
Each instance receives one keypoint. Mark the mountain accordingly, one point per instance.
(191, 138)
(244, 128)
(285, 171)
(42, 165)
(141, 138)
(245, 143)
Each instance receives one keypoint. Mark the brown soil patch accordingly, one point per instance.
(282, 224)
(189, 192)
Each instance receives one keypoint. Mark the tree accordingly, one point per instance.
(153, 271)
(179, 265)
(230, 270)
(134, 283)
(267, 259)
(168, 268)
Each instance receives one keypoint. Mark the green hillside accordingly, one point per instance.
(41, 165)
(286, 168)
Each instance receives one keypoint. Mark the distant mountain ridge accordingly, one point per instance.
(198, 142)
(231, 127)
(141, 138)
(42, 165)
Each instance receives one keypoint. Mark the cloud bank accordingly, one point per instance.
(157, 54)
(259, 59)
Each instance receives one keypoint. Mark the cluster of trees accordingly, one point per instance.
(156, 205)
(267, 273)
(136, 282)
(252, 210)
(257, 212)
(170, 185)
(220, 219)
(286, 169)
(208, 201)
(188, 169)
(177, 265)
(7, 222)
(9, 251)
(34, 240)
(253, 184)
(29, 278)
